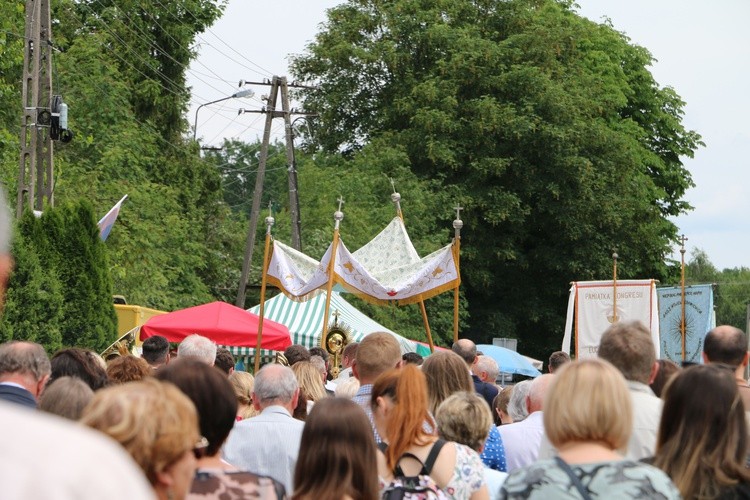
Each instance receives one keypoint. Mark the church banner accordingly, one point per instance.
(699, 319)
(591, 310)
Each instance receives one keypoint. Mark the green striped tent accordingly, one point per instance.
(305, 323)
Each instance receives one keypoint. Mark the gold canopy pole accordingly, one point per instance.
(683, 332)
(269, 223)
(396, 199)
(614, 287)
(338, 216)
(457, 225)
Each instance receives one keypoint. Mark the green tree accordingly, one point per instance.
(71, 241)
(33, 302)
(731, 290)
(548, 127)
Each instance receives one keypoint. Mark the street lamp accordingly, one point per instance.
(241, 93)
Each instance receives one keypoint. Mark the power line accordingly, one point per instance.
(208, 29)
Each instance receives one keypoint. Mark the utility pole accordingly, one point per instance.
(35, 175)
(280, 86)
(257, 193)
(292, 168)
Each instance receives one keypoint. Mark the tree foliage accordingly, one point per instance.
(547, 127)
(731, 288)
(34, 300)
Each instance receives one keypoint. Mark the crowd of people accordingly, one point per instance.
(189, 425)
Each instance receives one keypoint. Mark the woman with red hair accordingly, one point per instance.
(401, 416)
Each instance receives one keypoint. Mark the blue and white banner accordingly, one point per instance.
(699, 319)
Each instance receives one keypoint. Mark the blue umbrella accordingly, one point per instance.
(509, 361)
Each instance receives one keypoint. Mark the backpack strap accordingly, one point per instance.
(432, 456)
(426, 465)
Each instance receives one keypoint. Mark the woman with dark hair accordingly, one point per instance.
(667, 369)
(399, 409)
(337, 454)
(702, 441)
(81, 363)
(447, 373)
(214, 399)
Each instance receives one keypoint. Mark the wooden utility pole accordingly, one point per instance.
(280, 86)
(35, 175)
(257, 194)
(292, 168)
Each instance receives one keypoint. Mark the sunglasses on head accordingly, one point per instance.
(200, 449)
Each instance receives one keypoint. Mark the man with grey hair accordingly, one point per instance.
(268, 444)
(517, 409)
(197, 347)
(486, 371)
(24, 371)
(523, 439)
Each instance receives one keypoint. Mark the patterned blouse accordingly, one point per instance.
(234, 485)
(621, 479)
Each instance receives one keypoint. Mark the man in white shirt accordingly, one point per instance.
(629, 347)
(522, 439)
(268, 444)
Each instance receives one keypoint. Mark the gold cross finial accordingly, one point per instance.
(683, 239)
(336, 317)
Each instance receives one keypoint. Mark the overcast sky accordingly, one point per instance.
(702, 48)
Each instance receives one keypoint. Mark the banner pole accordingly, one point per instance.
(338, 216)
(457, 225)
(269, 223)
(683, 332)
(614, 287)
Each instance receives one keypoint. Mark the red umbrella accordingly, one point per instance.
(223, 323)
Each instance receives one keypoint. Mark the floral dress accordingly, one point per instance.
(468, 475)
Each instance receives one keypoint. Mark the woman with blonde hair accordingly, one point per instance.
(465, 418)
(157, 424)
(310, 382)
(337, 457)
(588, 418)
(401, 415)
(702, 441)
(243, 383)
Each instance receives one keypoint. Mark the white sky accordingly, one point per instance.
(702, 48)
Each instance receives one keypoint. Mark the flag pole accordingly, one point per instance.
(269, 223)
(683, 332)
(614, 286)
(457, 225)
(396, 199)
(338, 216)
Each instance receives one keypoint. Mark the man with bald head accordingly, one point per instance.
(728, 345)
(468, 352)
(523, 439)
